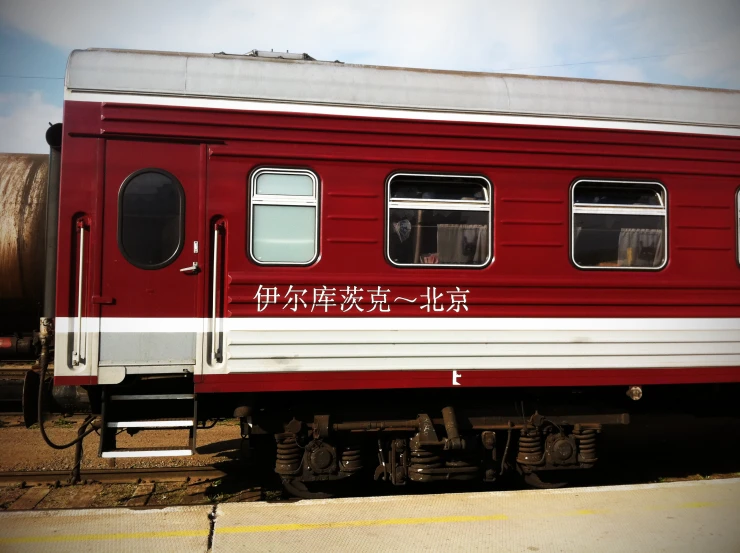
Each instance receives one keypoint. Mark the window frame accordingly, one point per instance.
(450, 205)
(737, 225)
(256, 199)
(181, 234)
(616, 209)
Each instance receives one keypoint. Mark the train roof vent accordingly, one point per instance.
(280, 55)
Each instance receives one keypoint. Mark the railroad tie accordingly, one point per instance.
(141, 496)
(30, 499)
(84, 496)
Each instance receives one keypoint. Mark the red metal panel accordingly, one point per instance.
(310, 381)
(80, 193)
(531, 168)
(342, 380)
(164, 292)
(234, 125)
(75, 380)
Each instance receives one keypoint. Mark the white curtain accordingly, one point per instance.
(640, 247)
(462, 244)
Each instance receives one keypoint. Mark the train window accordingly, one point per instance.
(618, 225)
(284, 216)
(440, 220)
(151, 215)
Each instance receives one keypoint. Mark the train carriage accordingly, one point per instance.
(438, 274)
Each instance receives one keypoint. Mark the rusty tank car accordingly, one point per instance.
(23, 195)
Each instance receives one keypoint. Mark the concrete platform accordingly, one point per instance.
(181, 529)
(688, 516)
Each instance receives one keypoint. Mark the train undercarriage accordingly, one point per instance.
(321, 444)
(476, 436)
(543, 450)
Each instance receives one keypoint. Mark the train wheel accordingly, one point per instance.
(299, 489)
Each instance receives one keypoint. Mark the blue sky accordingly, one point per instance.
(23, 55)
(683, 42)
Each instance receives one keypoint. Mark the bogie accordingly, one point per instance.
(313, 456)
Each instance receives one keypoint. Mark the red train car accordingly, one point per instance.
(390, 267)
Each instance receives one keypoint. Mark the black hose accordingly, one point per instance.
(40, 413)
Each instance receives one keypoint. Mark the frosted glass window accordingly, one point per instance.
(284, 185)
(284, 217)
(284, 234)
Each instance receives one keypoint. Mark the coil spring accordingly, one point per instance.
(586, 444)
(457, 463)
(289, 455)
(421, 458)
(351, 459)
(530, 447)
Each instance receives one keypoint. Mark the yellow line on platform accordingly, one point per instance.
(697, 505)
(292, 527)
(103, 537)
(355, 524)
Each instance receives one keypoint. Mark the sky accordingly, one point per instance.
(680, 42)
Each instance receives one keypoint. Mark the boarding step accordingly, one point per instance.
(159, 423)
(137, 413)
(160, 397)
(152, 452)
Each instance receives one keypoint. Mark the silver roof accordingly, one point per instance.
(305, 81)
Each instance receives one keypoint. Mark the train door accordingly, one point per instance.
(152, 260)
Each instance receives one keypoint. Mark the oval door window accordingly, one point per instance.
(151, 214)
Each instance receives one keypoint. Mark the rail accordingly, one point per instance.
(118, 476)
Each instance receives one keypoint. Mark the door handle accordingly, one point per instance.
(77, 346)
(215, 349)
(192, 269)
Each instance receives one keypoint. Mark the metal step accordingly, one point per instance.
(150, 424)
(155, 452)
(150, 417)
(137, 397)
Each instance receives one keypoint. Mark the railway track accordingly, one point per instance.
(114, 476)
(15, 370)
(139, 488)
(13, 373)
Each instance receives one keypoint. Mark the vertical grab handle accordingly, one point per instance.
(216, 354)
(78, 318)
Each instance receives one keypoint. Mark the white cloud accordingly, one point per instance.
(718, 59)
(24, 126)
(541, 36)
(469, 34)
(436, 33)
(465, 35)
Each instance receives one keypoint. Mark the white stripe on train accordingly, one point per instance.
(408, 114)
(430, 323)
(326, 344)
